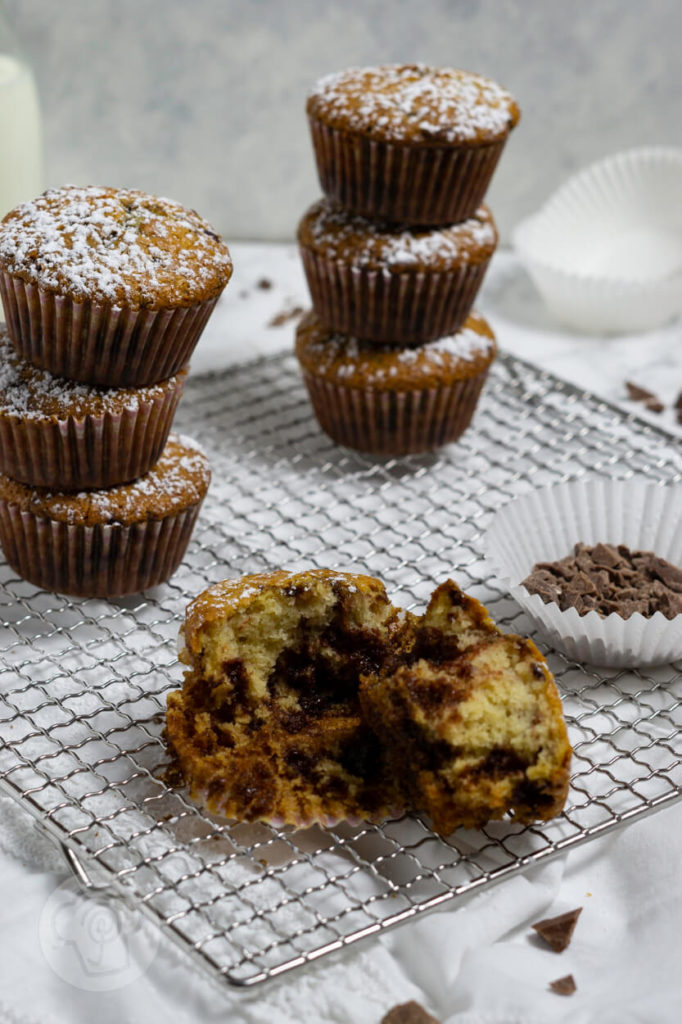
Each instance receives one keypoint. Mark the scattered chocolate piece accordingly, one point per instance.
(638, 394)
(287, 314)
(408, 1013)
(264, 283)
(565, 986)
(609, 578)
(654, 405)
(557, 931)
(678, 401)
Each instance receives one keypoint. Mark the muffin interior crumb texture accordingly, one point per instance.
(414, 103)
(292, 708)
(609, 578)
(117, 246)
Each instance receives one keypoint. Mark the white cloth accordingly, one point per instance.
(480, 964)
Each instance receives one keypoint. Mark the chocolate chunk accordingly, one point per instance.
(565, 986)
(609, 579)
(287, 314)
(639, 394)
(557, 931)
(408, 1013)
(654, 405)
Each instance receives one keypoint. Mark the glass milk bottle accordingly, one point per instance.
(21, 144)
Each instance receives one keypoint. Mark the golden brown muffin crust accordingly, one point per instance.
(117, 246)
(334, 233)
(415, 104)
(179, 480)
(353, 363)
(29, 393)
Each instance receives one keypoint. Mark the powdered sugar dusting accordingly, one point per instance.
(363, 242)
(114, 245)
(396, 102)
(29, 393)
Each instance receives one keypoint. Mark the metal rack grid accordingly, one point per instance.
(83, 682)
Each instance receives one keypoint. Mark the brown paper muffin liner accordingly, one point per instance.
(394, 422)
(89, 452)
(422, 185)
(405, 308)
(107, 560)
(98, 343)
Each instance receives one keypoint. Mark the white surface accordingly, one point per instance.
(478, 965)
(605, 250)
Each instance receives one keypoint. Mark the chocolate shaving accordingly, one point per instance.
(639, 394)
(285, 316)
(565, 986)
(654, 405)
(607, 578)
(408, 1013)
(557, 931)
(264, 283)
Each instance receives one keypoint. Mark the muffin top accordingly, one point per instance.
(29, 393)
(232, 596)
(330, 231)
(115, 246)
(179, 480)
(353, 363)
(414, 103)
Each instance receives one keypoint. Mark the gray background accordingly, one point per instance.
(203, 100)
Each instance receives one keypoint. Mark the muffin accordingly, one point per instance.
(68, 436)
(393, 284)
(268, 723)
(112, 287)
(409, 143)
(475, 737)
(394, 400)
(111, 542)
(310, 697)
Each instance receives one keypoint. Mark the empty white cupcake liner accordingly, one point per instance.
(545, 525)
(605, 251)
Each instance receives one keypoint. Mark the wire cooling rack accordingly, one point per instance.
(83, 683)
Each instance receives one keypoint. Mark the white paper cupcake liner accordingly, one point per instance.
(545, 525)
(605, 251)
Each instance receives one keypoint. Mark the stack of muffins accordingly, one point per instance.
(106, 293)
(395, 253)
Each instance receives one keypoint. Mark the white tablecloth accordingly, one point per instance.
(67, 959)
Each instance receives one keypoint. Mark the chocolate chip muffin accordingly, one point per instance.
(409, 143)
(68, 436)
(108, 286)
(106, 543)
(392, 400)
(393, 284)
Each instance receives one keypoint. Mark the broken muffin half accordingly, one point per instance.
(310, 697)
